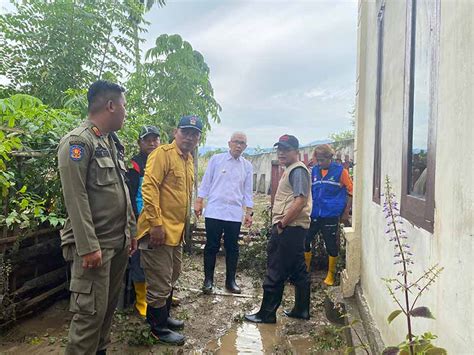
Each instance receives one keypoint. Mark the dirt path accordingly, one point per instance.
(207, 318)
(213, 323)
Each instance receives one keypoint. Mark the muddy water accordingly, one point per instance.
(250, 338)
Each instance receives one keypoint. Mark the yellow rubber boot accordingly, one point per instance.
(307, 260)
(175, 301)
(329, 280)
(140, 295)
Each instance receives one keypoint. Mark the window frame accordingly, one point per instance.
(377, 176)
(418, 210)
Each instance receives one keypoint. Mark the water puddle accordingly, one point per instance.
(250, 338)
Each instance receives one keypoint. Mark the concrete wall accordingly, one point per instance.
(262, 164)
(451, 245)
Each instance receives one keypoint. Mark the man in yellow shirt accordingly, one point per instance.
(167, 187)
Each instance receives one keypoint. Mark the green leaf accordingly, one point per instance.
(393, 315)
(24, 203)
(391, 350)
(436, 351)
(422, 311)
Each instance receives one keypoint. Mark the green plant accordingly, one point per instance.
(132, 330)
(6, 312)
(342, 139)
(29, 184)
(328, 338)
(172, 82)
(253, 255)
(406, 305)
(100, 36)
(341, 260)
(138, 335)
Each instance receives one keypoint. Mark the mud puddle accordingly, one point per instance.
(249, 338)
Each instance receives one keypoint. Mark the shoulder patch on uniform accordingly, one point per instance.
(76, 152)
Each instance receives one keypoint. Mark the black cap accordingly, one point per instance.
(190, 122)
(146, 130)
(287, 141)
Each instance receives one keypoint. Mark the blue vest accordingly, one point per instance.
(139, 198)
(329, 196)
(139, 164)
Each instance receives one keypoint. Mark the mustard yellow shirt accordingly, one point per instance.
(166, 190)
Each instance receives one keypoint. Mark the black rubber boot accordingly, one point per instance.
(173, 324)
(231, 268)
(302, 299)
(157, 318)
(267, 313)
(101, 352)
(209, 265)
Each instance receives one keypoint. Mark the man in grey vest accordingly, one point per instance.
(285, 250)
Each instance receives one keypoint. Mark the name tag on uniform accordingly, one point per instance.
(101, 152)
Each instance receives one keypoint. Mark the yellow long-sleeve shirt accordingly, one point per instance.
(166, 190)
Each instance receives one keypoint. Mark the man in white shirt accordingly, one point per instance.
(227, 186)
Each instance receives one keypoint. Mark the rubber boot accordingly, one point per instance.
(140, 297)
(157, 318)
(101, 352)
(173, 324)
(307, 260)
(267, 313)
(329, 280)
(175, 302)
(231, 268)
(209, 265)
(302, 299)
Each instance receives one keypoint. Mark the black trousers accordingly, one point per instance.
(214, 230)
(285, 259)
(328, 227)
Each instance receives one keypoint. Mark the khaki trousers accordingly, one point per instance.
(162, 267)
(94, 296)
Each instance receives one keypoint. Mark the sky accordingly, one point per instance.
(276, 66)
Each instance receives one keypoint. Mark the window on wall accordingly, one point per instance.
(377, 178)
(417, 203)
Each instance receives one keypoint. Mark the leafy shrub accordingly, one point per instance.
(253, 254)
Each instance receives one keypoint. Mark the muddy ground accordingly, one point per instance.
(213, 323)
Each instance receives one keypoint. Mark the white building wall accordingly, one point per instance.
(451, 245)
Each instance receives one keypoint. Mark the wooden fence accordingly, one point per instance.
(38, 274)
(198, 239)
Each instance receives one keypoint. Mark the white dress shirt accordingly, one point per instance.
(227, 185)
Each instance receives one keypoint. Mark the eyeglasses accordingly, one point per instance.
(239, 142)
